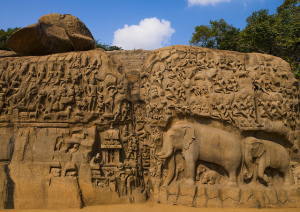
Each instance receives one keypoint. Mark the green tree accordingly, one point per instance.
(277, 34)
(219, 35)
(4, 35)
(106, 47)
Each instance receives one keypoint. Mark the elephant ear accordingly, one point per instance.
(188, 136)
(260, 149)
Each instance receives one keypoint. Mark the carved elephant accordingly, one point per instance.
(207, 176)
(199, 142)
(266, 154)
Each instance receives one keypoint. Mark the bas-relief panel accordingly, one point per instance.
(205, 121)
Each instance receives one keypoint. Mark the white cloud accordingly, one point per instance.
(245, 4)
(205, 2)
(151, 33)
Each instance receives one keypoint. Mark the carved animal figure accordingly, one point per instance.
(65, 113)
(199, 142)
(33, 114)
(266, 154)
(23, 115)
(206, 176)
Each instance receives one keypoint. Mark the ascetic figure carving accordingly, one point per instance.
(199, 142)
(266, 154)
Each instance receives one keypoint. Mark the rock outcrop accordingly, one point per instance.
(54, 33)
(178, 125)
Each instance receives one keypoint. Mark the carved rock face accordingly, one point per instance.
(93, 124)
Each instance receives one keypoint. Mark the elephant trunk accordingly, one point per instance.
(249, 165)
(167, 150)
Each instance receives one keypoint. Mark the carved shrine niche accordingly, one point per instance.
(197, 127)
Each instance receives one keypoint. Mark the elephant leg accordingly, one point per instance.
(232, 178)
(190, 172)
(286, 178)
(261, 173)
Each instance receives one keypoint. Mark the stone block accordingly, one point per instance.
(63, 192)
(230, 203)
(172, 199)
(247, 199)
(200, 201)
(187, 190)
(281, 194)
(212, 192)
(270, 193)
(200, 191)
(185, 200)
(259, 194)
(214, 203)
(231, 193)
(173, 190)
(163, 195)
(155, 193)
(3, 187)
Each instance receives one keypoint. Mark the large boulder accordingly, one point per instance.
(54, 33)
(69, 22)
(40, 39)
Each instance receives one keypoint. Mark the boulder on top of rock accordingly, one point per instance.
(69, 22)
(40, 39)
(81, 42)
(54, 33)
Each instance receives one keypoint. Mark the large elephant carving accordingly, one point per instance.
(266, 154)
(200, 142)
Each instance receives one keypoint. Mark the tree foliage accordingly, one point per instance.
(4, 35)
(219, 35)
(107, 47)
(277, 34)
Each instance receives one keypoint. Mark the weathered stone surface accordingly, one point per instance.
(281, 194)
(232, 193)
(163, 195)
(69, 22)
(200, 191)
(247, 198)
(272, 196)
(178, 125)
(3, 187)
(4, 53)
(82, 42)
(40, 39)
(69, 198)
(212, 192)
(187, 194)
(54, 33)
(173, 190)
(200, 202)
(214, 203)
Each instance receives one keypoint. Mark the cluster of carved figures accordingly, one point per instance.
(62, 88)
(194, 122)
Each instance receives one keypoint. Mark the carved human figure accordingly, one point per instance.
(54, 100)
(91, 90)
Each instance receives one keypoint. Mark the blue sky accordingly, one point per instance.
(147, 24)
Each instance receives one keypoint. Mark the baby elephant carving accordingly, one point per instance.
(206, 176)
(266, 154)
